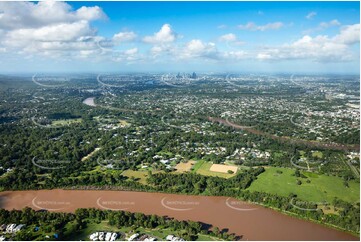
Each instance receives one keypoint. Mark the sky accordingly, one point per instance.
(211, 37)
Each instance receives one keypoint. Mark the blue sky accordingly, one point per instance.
(297, 37)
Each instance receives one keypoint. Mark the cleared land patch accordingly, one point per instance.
(203, 168)
(90, 154)
(184, 167)
(223, 168)
(63, 122)
(140, 176)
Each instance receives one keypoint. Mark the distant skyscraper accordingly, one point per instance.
(194, 76)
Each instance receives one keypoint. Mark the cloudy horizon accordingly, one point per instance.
(300, 37)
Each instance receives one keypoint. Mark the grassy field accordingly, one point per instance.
(321, 188)
(159, 233)
(85, 233)
(317, 154)
(202, 167)
(141, 175)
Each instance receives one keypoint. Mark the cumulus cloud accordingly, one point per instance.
(17, 15)
(164, 35)
(49, 28)
(56, 32)
(310, 15)
(198, 49)
(254, 27)
(124, 37)
(321, 48)
(349, 35)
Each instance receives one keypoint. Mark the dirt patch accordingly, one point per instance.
(90, 154)
(183, 167)
(223, 168)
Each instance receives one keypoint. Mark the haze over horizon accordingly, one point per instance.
(246, 37)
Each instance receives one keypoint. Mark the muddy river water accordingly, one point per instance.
(253, 222)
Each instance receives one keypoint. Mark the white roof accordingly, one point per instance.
(169, 237)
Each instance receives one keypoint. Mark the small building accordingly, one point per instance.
(10, 228)
(114, 237)
(18, 228)
(108, 236)
(169, 237)
(133, 237)
(165, 162)
(101, 236)
(150, 239)
(94, 236)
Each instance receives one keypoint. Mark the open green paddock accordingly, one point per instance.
(321, 188)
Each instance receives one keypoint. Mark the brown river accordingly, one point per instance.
(253, 222)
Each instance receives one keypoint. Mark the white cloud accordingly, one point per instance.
(254, 27)
(128, 56)
(124, 37)
(331, 23)
(320, 48)
(132, 51)
(90, 13)
(310, 15)
(228, 37)
(165, 35)
(322, 26)
(49, 28)
(57, 32)
(17, 15)
(198, 49)
(235, 55)
(349, 34)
